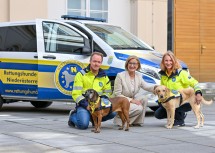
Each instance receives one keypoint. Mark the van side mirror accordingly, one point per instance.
(86, 50)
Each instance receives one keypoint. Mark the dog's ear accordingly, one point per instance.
(155, 91)
(95, 96)
(167, 92)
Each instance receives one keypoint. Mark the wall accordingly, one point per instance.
(28, 9)
(56, 8)
(151, 25)
(4, 10)
(119, 13)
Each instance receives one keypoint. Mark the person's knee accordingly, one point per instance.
(157, 115)
(83, 126)
(112, 115)
(160, 113)
(139, 110)
(83, 119)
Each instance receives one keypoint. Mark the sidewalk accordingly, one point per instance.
(27, 130)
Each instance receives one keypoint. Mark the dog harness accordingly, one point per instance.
(173, 94)
(105, 103)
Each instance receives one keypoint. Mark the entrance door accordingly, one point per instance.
(207, 41)
(194, 33)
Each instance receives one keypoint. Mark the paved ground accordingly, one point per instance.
(24, 129)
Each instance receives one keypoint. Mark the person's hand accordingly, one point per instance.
(83, 103)
(137, 102)
(198, 99)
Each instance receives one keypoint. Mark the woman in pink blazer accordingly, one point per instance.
(128, 84)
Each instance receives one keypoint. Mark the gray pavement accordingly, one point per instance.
(24, 129)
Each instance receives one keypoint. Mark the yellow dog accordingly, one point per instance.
(170, 103)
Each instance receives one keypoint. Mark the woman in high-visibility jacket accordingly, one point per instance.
(92, 77)
(174, 78)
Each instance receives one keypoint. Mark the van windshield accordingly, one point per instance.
(117, 38)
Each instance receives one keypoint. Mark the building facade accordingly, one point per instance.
(144, 18)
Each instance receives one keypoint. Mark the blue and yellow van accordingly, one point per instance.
(39, 59)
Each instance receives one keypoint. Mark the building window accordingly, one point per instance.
(89, 8)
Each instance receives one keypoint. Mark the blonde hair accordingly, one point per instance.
(176, 65)
(130, 58)
(96, 53)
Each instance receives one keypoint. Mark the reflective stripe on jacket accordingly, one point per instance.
(85, 79)
(179, 80)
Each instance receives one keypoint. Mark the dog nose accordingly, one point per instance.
(161, 96)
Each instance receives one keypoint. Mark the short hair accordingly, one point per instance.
(130, 58)
(96, 53)
(176, 65)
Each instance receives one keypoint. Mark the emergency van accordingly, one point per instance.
(39, 59)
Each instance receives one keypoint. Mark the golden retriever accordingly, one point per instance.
(188, 95)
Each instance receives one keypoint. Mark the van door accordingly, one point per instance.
(18, 61)
(62, 52)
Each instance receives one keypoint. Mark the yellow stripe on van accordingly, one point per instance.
(10, 76)
(46, 62)
(42, 62)
(46, 80)
(9, 60)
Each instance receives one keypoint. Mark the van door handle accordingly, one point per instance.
(49, 57)
(35, 56)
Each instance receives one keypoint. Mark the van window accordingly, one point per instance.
(117, 38)
(61, 39)
(18, 38)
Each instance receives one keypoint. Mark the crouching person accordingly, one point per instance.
(92, 77)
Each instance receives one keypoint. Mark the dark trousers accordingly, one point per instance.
(160, 113)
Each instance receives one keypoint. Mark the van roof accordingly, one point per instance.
(32, 22)
(72, 17)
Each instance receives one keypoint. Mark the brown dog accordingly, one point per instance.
(119, 104)
(170, 104)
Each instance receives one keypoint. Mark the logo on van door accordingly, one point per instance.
(64, 75)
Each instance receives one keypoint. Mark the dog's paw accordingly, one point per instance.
(93, 130)
(126, 129)
(169, 127)
(120, 128)
(196, 127)
(96, 131)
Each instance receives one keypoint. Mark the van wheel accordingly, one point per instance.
(1, 102)
(41, 104)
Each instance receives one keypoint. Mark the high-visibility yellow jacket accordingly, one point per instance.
(85, 79)
(179, 80)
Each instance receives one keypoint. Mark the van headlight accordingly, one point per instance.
(150, 71)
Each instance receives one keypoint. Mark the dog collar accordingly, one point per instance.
(172, 96)
(93, 105)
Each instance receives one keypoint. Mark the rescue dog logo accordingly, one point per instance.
(64, 75)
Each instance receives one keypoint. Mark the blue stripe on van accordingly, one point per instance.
(52, 94)
(25, 66)
(19, 90)
(113, 72)
(148, 79)
(47, 68)
(155, 63)
(18, 66)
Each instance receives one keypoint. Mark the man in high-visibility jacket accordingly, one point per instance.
(92, 77)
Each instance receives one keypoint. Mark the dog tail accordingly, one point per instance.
(206, 102)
